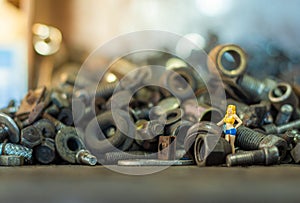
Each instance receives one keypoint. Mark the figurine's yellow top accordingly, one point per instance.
(228, 117)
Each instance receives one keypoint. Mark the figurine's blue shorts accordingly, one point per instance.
(231, 131)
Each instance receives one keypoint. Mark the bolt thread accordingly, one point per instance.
(88, 159)
(251, 85)
(248, 139)
(266, 156)
(106, 90)
(18, 150)
(114, 157)
(270, 129)
(291, 125)
(245, 158)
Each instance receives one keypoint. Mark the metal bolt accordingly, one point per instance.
(209, 149)
(136, 78)
(114, 157)
(257, 90)
(102, 134)
(284, 114)
(266, 156)
(58, 125)
(195, 112)
(31, 136)
(295, 153)
(9, 129)
(45, 153)
(53, 110)
(154, 162)
(180, 82)
(284, 94)
(249, 139)
(69, 146)
(46, 127)
(59, 99)
(179, 130)
(272, 128)
(147, 132)
(18, 150)
(204, 145)
(66, 116)
(104, 91)
(166, 105)
(85, 157)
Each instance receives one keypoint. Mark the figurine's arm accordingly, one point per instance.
(240, 122)
(220, 123)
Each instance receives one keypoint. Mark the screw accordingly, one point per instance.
(284, 114)
(9, 129)
(266, 156)
(249, 139)
(272, 128)
(18, 150)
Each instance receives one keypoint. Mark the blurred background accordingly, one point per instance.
(46, 37)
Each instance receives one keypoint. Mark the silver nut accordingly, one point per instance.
(11, 160)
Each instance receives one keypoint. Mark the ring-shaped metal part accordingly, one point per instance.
(215, 60)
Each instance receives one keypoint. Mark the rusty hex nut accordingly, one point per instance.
(295, 153)
(207, 156)
(204, 128)
(31, 136)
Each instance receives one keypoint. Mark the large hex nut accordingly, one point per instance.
(295, 152)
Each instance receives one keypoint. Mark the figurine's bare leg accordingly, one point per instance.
(227, 137)
(232, 140)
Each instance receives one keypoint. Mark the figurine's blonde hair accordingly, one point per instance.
(232, 107)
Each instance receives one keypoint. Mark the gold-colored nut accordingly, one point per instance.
(214, 61)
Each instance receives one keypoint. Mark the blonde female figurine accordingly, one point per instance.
(229, 128)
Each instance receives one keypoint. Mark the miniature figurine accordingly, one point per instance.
(229, 128)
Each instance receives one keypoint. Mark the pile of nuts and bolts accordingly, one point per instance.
(127, 119)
